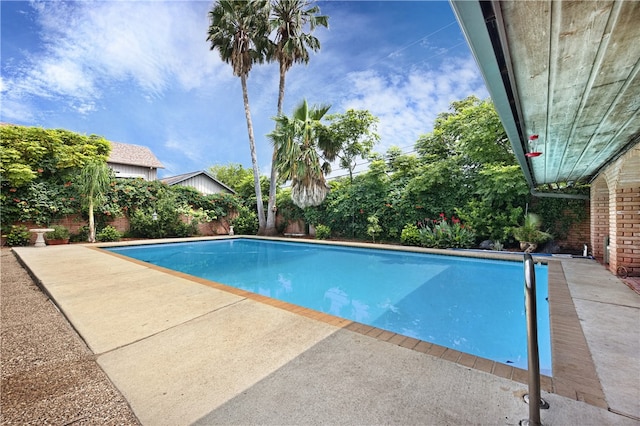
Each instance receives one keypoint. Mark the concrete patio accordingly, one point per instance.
(187, 351)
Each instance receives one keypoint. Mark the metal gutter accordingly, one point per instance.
(482, 26)
(559, 195)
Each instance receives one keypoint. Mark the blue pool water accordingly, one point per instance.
(471, 305)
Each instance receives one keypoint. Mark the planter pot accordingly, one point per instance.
(528, 247)
(57, 242)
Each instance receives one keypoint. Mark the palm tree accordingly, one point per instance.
(300, 143)
(289, 19)
(94, 181)
(239, 30)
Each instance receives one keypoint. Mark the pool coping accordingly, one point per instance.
(574, 372)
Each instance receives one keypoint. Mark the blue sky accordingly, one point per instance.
(141, 72)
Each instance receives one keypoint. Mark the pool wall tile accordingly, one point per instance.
(467, 360)
(484, 364)
(422, 346)
(385, 335)
(451, 355)
(409, 343)
(397, 339)
(502, 370)
(436, 350)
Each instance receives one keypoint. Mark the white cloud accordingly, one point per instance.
(407, 104)
(89, 47)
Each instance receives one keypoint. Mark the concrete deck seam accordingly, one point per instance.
(606, 303)
(173, 326)
(623, 414)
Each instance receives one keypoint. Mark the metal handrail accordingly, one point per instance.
(532, 341)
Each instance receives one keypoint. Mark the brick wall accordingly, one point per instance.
(615, 212)
(599, 223)
(626, 247)
(578, 236)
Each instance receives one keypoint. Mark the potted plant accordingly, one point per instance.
(529, 235)
(59, 235)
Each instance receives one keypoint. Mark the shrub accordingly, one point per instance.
(81, 236)
(410, 235)
(374, 227)
(530, 232)
(246, 223)
(108, 233)
(440, 233)
(59, 233)
(18, 236)
(322, 232)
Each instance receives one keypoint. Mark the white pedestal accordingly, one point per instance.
(40, 235)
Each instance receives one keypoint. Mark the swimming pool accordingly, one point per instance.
(468, 304)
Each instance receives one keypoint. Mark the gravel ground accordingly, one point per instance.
(49, 375)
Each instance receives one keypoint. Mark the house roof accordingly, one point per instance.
(137, 155)
(563, 75)
(174, 180)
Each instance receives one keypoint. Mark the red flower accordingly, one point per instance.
(441, 214)
(13, 190)
(455, 220)
(17, 200)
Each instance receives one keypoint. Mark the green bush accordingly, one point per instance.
(18, 236)
(81, 236)
(410, 235)
(246, 223)
(440, 233)
(374, 227)
(322, 232)
(59, 233)
(108, 233)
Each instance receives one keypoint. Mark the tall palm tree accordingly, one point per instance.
(300, 143)
(93, 183)
(289, 19)
(239, 30)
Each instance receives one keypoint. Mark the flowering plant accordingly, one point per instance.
(441, 233)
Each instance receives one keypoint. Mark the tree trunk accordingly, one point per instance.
(273, 181)
(92, 224)
(254, 158)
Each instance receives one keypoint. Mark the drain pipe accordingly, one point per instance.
(532, 342)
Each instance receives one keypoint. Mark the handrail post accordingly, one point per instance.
(532, 341)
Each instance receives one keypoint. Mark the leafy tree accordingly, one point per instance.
(488, 191)
(230, 174)
(93, 183)
(497, 203)
(300, 143)
(30, 153)
(353, 134)
(471, 130)
(166, 222)
(246, 190)
(401, 165)
(239, 30)
(289, 18)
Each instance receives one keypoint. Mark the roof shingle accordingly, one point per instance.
(122, 153)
